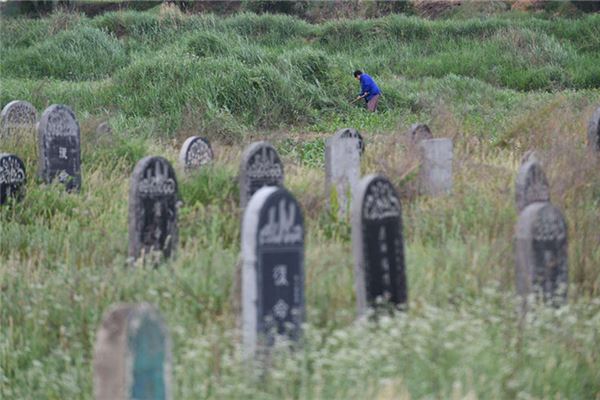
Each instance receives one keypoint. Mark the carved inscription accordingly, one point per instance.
(12, 177)
(17, 115)
(260, 167)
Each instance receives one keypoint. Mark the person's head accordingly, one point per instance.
(357, 73)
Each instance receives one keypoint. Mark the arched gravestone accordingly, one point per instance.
(59, 147)
(530, 155)
(594, 131)
(531, 185)
(347, 133)
(419, 132)
(378, 244)
(273, 269)
(541, 253)
(132, 355)
(260, 167)
(342, 169)
(153, 196)
(12, 177)
(435, 172)
(195, 152)
(16, 116)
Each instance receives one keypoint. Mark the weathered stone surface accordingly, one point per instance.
(60, 147)
(541, 253)
(419, 132)
(347, 133)
(153, 197)
(195, 153)
(531, 185)
(378, 245)
(260, 167)
(12, 177)
(435, 172)
(132, 355)
(103, 129)
(273, 269)
(530, 155)
(594, 131)
(342, 170)
(16, 116)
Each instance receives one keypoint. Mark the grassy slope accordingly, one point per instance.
(497, 86)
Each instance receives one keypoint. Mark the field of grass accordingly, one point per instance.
(497, 86)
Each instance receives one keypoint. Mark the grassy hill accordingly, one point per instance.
(497, 86)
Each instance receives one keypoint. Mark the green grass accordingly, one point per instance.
(497, 86)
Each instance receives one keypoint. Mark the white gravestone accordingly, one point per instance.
(16, 116)
(594, 131)
(342, 170)
(435, 172)
(195, 153)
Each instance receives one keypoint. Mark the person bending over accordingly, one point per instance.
(368, 90)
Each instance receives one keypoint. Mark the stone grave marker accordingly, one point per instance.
(435, 172)
(18, 115)
(419, 132)
(153, 196)
(342, 170)
(103, 129)
(195, 153)
(132, 355)
(594, 131)
(60, 147)
(530, 155)
(260, 166)
(378, 245)
(541, 253)
(531, 185)
(347, 133)
(12, 177)
(272, 270)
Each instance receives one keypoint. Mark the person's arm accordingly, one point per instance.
(363, 89)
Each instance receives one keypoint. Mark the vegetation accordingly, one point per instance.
(497, 86)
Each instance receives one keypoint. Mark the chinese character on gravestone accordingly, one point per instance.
(12, 177)
(59, 147)
(195, 152)
(153, 200)
(342, 170)
(260, 167)
(132, 355)
(594, 131)
(378, 245)
(17, 116)
(541, 253)
(435, 172)
(531, 185)
(419, 132)
(273, 269)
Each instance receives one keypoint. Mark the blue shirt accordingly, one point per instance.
(368, 85)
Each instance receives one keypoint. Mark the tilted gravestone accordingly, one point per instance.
(60, 147)
(153, 197)
(435, 172)
(342, 170)
(419, 132)
(530, 155)
(132, 355)
(272, 270)
(347, 133)
(378, 245)
(531, 185)
(195, 152)
(594, 131)
(16, 116)
(12, 177)
(541, 253)
(260, 167)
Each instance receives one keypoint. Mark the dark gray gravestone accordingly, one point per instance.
(594, 131)
(17, 116)
(435, 172)
(195, 152)
(59, 147)
(378, 244)
(260, 167)
(347, 133)
(419, 132)
(342, 170)
(541, 253)
(531, 185)
(12, 177)
(153, 199)
(273, 269)
(132, 355)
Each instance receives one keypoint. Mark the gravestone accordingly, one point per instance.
(419, 132)
(342, 170)
(103, 129)
(260, 167)
(347, 133)
(531, 185)
(530, 155)
(541, 253)
(594, 131)
(378, 245)
(18, 115)
(195, 152)
(435, 172)
(272, 270)
(132, 355)
(12, 177)
(153, 197)
(60, 147)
